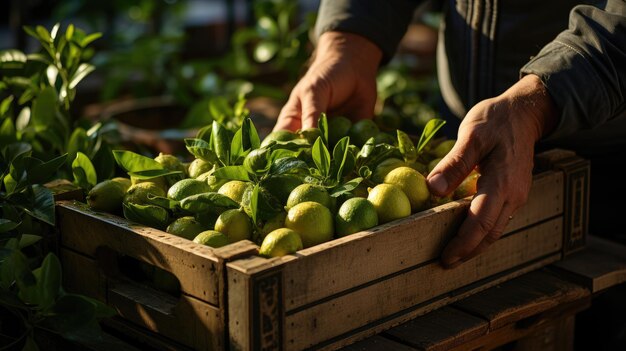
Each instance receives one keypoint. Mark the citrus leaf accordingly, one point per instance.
(7, 225)
(321, 157)
(43, 207)
(322, 124)
(232, 173)
(83, 70)
(208, 202)
(201, 149)
(254, 203)
(44, 107)
(346, 187)
(429, 132)
(84, 172)
(150, 215)
(27, 240)
(152, 173)
(132, 162)
(49, 282)
(287, 165)
(407, 149)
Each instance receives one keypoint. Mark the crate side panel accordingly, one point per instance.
(345, 263)
(319, 322)
(195, 265)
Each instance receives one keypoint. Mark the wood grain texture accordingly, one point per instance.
(378, 343)
(522, 297)
(327, 319)
(601, 265)
(357, 259)
(198, 268)
(441, 329)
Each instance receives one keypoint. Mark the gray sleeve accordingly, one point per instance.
(384, 22)
(584, 68)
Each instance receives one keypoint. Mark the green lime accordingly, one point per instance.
(278, 221)
(442, 148)
(171, 163)
(413, 184)
(312, 221)
(235, 224)
(125, 183)
(310, 192)
(187, 187)
(138, 193)
(187, 227)
(211, 238)
(234, 189)
(390, 202)
(280, 242)
(106, 196)
(199, 166)
(355, 215)
(383, 168)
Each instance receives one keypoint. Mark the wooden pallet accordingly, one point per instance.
(350, 288)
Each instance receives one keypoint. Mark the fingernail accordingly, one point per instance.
(438, 183)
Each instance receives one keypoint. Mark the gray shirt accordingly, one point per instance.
(579, 51)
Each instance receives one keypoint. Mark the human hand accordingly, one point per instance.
(497, 135)
(340, 81)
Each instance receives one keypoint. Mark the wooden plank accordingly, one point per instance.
(600, 266)
(522, 297)
(378, 343)
(81, 275)
(441, 329)
(343, 313)
(186, 319)
(142, 338)
(196, 266)
(63, 189)
(389, 248)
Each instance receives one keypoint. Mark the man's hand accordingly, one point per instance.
(340, 81)
(497, 135)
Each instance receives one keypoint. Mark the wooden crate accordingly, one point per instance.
(94, 248)
(341, 291)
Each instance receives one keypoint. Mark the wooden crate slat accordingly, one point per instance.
(378, 343)
(525, 296)
(196, 266)
(341, 264)
(316, 323)
(441, 329)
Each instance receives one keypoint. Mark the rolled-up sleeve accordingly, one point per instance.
(584, 68)
(384, 22)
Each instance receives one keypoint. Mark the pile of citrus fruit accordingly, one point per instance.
(287, 192)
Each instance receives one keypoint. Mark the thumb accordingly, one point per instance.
(452, 169)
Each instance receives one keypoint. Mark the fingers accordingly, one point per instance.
(289, 117)
(453, 168)
(314, 102)
(487, 218)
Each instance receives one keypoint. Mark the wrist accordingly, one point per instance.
(358, 50)
(531, 95)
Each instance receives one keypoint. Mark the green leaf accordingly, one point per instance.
(69, 313)
(254, 203)
(198, 115)
(201, 149)
(44, 35)
(250, 137)
(321, 157)
(69, 32)
(52, 73)
(44, 107)
(164, 202)
(221, 142)
(232, 173)
(89, 39)
(15, 269)
(79, 141)
(346, 187)
(83, 70)
(287, 165)
(152, 173)
(407, 149)
(236, 146)
(322, 124)
(27, 240)
(208, 202)
(150, 215)
(104, 163)
(132, 162)
(429, 132)
(45, 170)
(12, 151)
(23, 119)
(340, 154)
(7, 225)
(49, 283)
(220, 109)
(84, 172)
(43, 208)
(54, 30)
(7, 132)
(5, 105)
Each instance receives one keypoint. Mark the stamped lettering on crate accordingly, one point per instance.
(268, 316)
